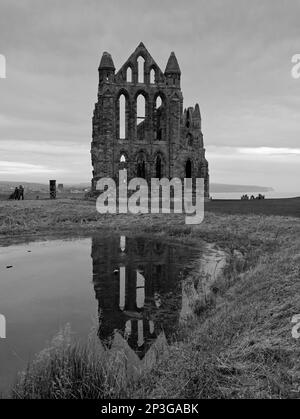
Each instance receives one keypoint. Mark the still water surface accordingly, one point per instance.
(125, 284)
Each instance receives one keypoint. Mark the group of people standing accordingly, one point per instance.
(246, 197)
(18, 193)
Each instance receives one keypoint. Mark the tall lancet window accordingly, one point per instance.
(123, 243)
(140, 117)
(128, 329)
(188, 169)
(141, 69)
(158, 167)
(140, 109)
(140, 290)
(122, 118)
(122, 287)
(140, 333)
(129, 75)
(158, 119)
(152, 76)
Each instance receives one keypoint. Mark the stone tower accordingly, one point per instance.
(139, 123)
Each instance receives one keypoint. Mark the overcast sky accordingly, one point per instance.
(235, 57)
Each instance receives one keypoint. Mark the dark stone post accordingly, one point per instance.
(52, 184)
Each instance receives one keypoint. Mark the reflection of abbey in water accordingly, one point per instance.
(138, 288)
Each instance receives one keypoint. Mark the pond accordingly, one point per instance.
(133, 285)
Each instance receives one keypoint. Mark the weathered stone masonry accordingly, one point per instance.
(164, 141)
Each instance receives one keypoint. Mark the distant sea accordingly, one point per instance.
(268, 195)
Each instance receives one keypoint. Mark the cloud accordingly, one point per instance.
(55, 148)
(17, 168)
(269, 151)
(286, 155)
(235, 61)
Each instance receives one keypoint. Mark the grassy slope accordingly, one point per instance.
(243, 346)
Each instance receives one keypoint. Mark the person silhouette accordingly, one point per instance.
(16, 193)
(21, 193)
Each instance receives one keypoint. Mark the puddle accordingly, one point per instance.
(136, 290)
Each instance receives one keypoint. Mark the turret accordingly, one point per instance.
(197, 117)
(172, 71)
(106, 69)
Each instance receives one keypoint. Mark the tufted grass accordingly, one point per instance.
(240, 347)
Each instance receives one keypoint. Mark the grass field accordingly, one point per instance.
(33, 196)
(283, 207)
(241, 346)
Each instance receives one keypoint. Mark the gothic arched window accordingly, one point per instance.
(141, 166)
(188, 119)
(140, 117)
(123, 168)
(140, 290)
(129, 75)
(141, 169)
(141, 69)
(188, 169)
(158, 167)
(152, 76)
(140, 108)
(122, 117)
(159, 119)
(158, 102)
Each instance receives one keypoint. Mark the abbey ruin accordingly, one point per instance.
(140, 125)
